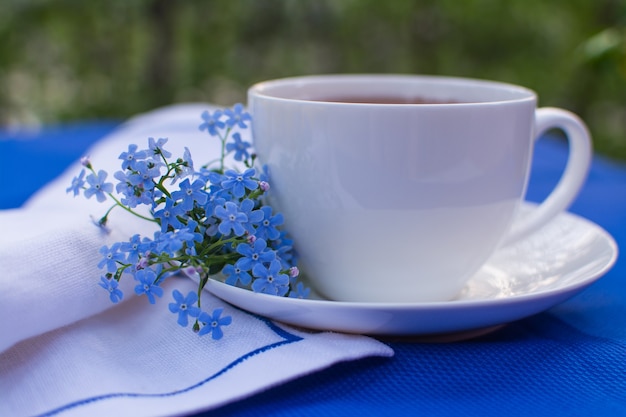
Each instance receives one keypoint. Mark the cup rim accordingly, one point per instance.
(267, 89)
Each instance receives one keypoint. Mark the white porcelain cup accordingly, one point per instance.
(405, 202)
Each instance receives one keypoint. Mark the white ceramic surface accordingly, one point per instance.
(371, 191)
(545, 269)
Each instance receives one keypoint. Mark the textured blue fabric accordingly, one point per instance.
(568, 361)
(41, 154)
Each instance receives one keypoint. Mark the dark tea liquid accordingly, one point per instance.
(384, 100)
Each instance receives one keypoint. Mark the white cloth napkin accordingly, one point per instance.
(66, 350)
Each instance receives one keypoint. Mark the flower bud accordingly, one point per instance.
(85, 161)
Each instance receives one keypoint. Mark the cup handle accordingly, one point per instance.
(572, 179)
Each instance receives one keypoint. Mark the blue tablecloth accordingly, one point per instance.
(570, 360)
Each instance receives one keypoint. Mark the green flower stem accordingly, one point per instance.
(172, 268)
(186, 260)
(223, 140)
(250, 164)
(161, 187)
(128, 209)
(255, 194)
(203, 281)
(164, 158)
(218, 245)
(120, 270)
(103, 219)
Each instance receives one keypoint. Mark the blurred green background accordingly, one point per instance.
(64, 60)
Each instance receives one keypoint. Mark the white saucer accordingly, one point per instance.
(518, 281)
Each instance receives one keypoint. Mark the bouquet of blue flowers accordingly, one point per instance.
(210, 221)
